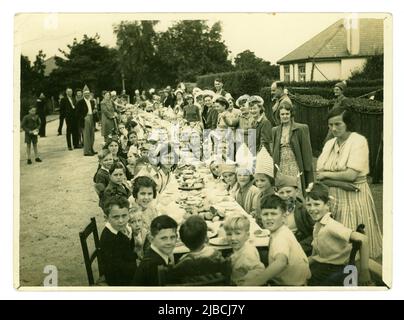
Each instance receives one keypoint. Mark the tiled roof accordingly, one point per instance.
(332, 42)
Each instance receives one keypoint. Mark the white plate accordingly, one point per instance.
(261, 233)
(219, 242)
(212, 234)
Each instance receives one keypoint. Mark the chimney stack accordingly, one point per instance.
(352, 33)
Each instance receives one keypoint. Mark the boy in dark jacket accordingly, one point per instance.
(163, 231)
(117, 243)
(298, 220)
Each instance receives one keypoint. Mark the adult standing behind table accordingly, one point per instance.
(340, 101)
(219, 87)
(69, 104)
(62, 113)
(169, 98)
(108, 116)
(85, 112)
(262, 126)
(281, 98)
(41, 109)
(209, 113)
(292, 149)
(343, 165)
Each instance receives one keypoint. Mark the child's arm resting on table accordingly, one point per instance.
(275, 268)
(364, 274)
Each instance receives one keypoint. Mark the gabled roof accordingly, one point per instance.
(332, 42)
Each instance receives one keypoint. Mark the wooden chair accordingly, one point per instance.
(356, 245)
(196, 273)
(89, 258)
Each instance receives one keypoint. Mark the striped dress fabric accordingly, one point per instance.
(348, 207)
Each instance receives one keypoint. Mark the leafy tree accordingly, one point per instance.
(85, 62)
(190, 48)
(136, 52)
(247, 60)
(372, 70)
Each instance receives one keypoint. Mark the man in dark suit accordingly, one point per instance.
(41, 109)
(62, 113)
(85, 121)
(169, 98)
(68, 103)
(163, 230)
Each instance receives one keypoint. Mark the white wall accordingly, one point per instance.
(309, 66)
(332, 70)
(350, 65)
(281, 73)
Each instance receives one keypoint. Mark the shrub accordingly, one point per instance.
(357, 104)
(329, 94)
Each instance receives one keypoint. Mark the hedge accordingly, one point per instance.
(330, 84)
(329, 94)
(237, 83)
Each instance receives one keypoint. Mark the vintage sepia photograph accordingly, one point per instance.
(200, 150)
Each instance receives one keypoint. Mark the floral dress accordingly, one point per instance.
(288, 164)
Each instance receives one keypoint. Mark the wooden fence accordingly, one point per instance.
(369, 125)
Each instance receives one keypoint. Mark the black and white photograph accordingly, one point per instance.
(202, 150)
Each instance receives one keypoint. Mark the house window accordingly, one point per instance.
(302, 72)
(287, 73)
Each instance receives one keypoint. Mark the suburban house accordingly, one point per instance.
(50, 65)
(334, 53)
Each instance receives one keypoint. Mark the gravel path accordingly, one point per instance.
(57, 200)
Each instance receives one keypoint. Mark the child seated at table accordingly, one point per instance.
(245, 259)
(140, 232)
(287, 262)
(131, 166)
(228, 174)
(101, 177)
(246, 194)
(264, 180)
(116, 184)
(163, 234)
(144, 192)
(117, 243)
(297, 219)
(194, 234)
(132, 142)
(332, 243)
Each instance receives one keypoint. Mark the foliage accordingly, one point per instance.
(190, 48)
(85, 63)
(237, 82)
(373, 69)
(247, 60)
(136, 52)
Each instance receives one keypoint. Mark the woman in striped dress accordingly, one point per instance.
(343, 165)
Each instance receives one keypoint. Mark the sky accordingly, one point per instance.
(269, 36)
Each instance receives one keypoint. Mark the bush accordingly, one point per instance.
(330, 84)
(357, 104)
(329, 94)
(236, 83)
(25, 103)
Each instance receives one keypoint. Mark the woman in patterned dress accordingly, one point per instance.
(343, 165)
